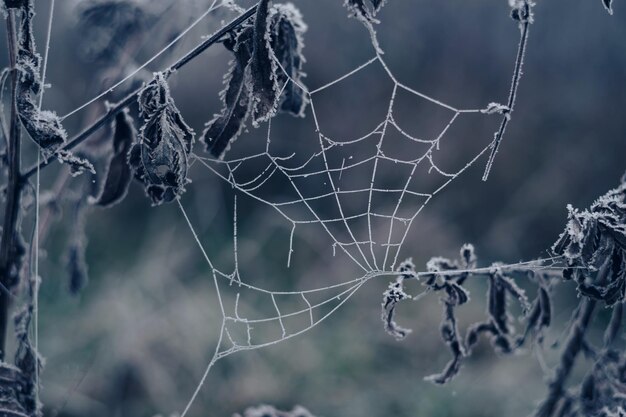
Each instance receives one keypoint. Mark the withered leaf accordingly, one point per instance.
(262, 69)
(44, 127)
(450, 335)
(268, 55)
(160, 158)
(118, 175)
(225, 127)
(364, 9)
(77, 164)
(287, 28)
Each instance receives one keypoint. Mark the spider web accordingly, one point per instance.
(337, 188)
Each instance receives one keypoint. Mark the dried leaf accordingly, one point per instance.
(450, 335)
(364, 9)
(159, 160)
(44, 127)
(391, 297)
(77, 164)
(262, 70)
(286, 40)
(118, 175)
(225, 127)
(268, 61)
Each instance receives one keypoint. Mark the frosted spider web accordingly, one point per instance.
(335, 188)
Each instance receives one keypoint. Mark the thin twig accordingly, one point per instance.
(9, 238)
(87, 132)
(517, 74)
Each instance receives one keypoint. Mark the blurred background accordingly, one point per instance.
(136, 340)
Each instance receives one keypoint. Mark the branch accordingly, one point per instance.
(517, 74)
(9, 231)
(87, 132)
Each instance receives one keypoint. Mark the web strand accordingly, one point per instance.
(109, 90)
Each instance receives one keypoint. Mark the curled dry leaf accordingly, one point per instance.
(286, 41)
(364, 9)
(265, 75)
(226, 126)
(392, 296)
(77, 164)
(160, 158)
(262, 69)
(44, 127)
(118, 175)
(592, 239)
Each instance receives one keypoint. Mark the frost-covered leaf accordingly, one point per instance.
(522, 10)
(450, 335)
(224, 128)
(392, 296)
(468, 256)
(262, 71)
(160, 159)
(364, 9)
(593, 238)
(497, 108)
(276, 57)
(118, 175)
(268, 60)
(77, 164)
(286, 40)
(44, 127)
(608, 5)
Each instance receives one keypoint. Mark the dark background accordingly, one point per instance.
(138, 337)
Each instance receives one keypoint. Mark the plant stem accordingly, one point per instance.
(517, 74)
(87, 132)
(572, 348)
(9, 231)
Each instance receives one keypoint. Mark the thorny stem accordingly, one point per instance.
(517, 74)
(9, 232)
(87, 132)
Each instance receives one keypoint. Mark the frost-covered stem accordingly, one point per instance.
(573, 346)
(130, 98)
(517, 74)
(9, 232)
